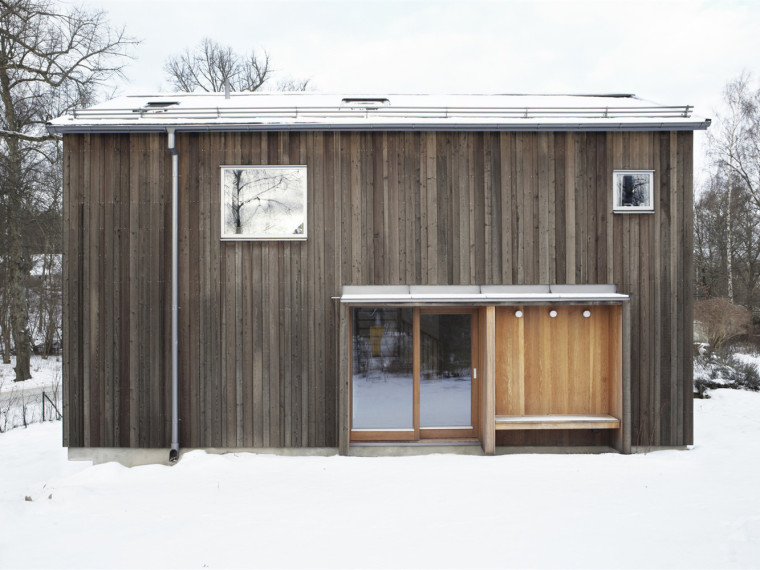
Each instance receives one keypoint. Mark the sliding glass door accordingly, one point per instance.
(413, 374)
(383, 371)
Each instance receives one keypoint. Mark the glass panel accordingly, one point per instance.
(446, 370)
(633, 190)
(383, 381)
(264, 202)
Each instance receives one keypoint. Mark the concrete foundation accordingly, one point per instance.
(284, 451)
(132, 457)
(652, 448)
(127, 456)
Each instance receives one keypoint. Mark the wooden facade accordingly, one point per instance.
(259, 356)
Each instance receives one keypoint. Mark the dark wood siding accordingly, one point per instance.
(116, 291)
(258, 329)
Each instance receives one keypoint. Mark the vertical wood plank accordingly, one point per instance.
(685, 420)
(570, 184)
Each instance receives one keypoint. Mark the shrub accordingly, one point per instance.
(722, 320)
(723, 370)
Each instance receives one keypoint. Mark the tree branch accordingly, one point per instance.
(28, 138)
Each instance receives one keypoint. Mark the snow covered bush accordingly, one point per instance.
(723, 369)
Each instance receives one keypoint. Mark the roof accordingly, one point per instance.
(319, 111)
(480, 294)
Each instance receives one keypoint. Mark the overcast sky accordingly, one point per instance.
(672, 52)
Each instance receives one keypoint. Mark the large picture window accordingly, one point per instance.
(632, 191)
(263, 202)
(412, 373)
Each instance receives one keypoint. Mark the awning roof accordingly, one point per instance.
(480, 294)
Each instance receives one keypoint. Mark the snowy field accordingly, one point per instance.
(698, 508)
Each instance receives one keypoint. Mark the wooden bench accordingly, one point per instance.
(556, 422)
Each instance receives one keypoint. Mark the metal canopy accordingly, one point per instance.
(480, 294)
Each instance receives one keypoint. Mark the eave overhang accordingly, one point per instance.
(58, 128)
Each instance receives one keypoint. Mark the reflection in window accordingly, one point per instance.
(633, 191)
(264, 202)
(383, 381)
(446, 370)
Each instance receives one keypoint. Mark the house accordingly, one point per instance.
(318, 271)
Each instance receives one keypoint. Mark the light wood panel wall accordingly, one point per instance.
(556, 366)
(259, 362)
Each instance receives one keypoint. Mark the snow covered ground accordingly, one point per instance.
(45, 372)
(21, 402)
(698, 508)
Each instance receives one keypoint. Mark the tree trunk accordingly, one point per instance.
(48, 302)
(18, 307)
(5, 331)
(6, 341)
(730, 230)
(42, 304)
(18, 266)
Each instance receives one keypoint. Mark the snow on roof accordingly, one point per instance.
(320, 111)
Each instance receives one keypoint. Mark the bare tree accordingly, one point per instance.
(712, 234)
(710, 240)
(209, 66)
(744, 163)
(50, 61)
(290, 84)
(734, 147)
(727, 214)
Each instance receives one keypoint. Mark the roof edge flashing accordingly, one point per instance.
(480, 294)
(94, 128)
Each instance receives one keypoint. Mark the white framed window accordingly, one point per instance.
(263, 202)
(633, 191)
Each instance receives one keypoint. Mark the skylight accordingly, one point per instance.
(366, 102)
(160, 104)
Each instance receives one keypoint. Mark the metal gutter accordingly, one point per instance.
(471, 127)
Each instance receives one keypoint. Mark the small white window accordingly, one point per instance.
(633, 191)
(263, 202)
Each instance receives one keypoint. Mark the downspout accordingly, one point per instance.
(174, 452)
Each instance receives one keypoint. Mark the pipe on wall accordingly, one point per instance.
(174, 452)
